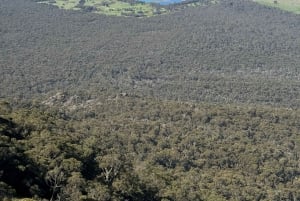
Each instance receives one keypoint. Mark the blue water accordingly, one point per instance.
(163, 2)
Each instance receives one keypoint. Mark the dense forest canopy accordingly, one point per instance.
(130, 148)
(229, 52)
(201, 103)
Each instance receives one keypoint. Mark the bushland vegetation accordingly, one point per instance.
(234, 51)
(201, 104)
(132, 148)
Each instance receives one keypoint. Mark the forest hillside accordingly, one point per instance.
(131, 148)
(234, 51)
(201, 103)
